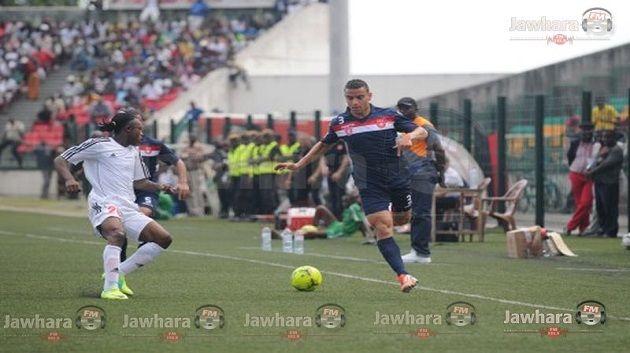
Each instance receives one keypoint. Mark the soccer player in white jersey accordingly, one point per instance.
(113, 167)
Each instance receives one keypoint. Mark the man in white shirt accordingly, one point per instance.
(12, 137)
(113, 167)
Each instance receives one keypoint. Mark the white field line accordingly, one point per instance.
(71, 231)
(593, 269)
(73, 214)
(338, 274)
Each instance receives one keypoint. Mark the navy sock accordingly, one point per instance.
(391, 253)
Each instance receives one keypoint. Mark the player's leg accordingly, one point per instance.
(146, 202)
(384, 228)
(376, 207)
(422, 202)
(111, 229)
(144, 229)
(122, 281)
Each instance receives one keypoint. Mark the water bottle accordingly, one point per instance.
(298, 243)
(287, 240)
(265, 236)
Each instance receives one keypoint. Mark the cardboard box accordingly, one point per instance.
(298, 217)
(524, 242)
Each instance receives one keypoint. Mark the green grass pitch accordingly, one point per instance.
(51, 266)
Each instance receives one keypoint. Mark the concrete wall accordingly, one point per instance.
(24, 183)
(602, 73)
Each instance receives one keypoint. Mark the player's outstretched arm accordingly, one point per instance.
(317, 151)
(63, 168)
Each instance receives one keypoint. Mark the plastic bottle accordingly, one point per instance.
(287, 240)
(298, 243)
(265, 236)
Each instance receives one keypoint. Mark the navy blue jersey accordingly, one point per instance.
(153, 150)
(370, 142)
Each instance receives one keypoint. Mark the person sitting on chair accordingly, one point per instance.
(450, 200)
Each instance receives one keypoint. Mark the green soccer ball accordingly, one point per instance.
(306, 278)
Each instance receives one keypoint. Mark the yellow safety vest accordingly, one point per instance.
(232, 162)
(248, 153)
(288, 151)
(266, 166)
(254, 157)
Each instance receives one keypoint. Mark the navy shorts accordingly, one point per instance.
(147, 199)
(378, 198)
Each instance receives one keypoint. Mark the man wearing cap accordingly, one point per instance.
(378, 171)
(427, 162)
(581, 155)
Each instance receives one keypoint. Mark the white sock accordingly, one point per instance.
(111, 260)
(141, 257)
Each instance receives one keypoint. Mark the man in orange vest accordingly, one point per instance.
(426, 160)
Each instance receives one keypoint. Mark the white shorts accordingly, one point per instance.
(132, 219)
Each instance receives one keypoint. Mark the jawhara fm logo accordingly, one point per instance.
(330, 316)
(90, 317)
(460, 314)
(209, 317)
(591, 313)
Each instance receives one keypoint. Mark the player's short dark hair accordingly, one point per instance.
(119, 121)
(356, 84)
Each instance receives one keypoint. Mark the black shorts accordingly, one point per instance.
(379, 198)
(147, 199)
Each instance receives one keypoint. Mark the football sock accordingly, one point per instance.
(111, 260)
(391, 253)
(123, 251)
(141, 257)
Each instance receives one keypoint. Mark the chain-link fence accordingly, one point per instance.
(563, 114)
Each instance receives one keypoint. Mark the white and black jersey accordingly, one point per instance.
(110, 167)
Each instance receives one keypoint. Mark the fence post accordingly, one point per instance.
(250, 122)
(172, 137)
(227, 126)
(293, 119)
(433, 114)
(501, 147)
(540, 160)
(586, 107)
(468, 124)
(270, 121)
(208, 130)
(318, 125)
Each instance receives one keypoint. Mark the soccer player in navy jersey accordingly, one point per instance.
(379, 173)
